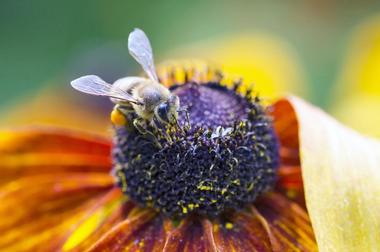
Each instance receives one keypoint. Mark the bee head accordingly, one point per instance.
(167, 111)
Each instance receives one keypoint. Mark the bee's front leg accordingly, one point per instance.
(140, 125)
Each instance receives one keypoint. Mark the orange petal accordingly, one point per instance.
(288, 222)
(275, 224)
(104, 215)
(39, 210)
(341, 176)
(193, 234)
(51, 140)
(142, 231)
(241, 232)
(50, 150)
(286, 127)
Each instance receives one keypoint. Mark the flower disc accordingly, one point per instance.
(221, 157)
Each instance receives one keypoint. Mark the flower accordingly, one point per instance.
(57, 192)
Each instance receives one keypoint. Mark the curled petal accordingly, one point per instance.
(341, 176)
(289, 173)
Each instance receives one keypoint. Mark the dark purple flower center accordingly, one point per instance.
(211, 105)
(221, 158)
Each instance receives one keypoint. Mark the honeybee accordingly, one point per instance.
(144, 96)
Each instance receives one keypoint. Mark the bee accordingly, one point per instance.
(146, 97)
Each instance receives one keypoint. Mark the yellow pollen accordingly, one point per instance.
(205, 188)
(117, 118)
(123, 180)
(229, 225)
(215, 227)
(250, 187)
(291, 194)
(141, 243)
(236, 182)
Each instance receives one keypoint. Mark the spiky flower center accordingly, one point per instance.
(223, 155)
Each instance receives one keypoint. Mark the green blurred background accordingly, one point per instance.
(46, 42)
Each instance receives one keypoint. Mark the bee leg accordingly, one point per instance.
(176, 123)
(187, 124)
(140, 125)
(188, 120)
(162, 132)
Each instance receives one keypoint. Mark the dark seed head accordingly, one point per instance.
(223, 155)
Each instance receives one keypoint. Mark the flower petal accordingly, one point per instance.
(341, 175)
(288, 223)
(286, 127)
(241, 232)
(52, 140)
(106, 213)
(34, 151)
(37, 211)
(193, 234)
(142, 231)
(275, 224)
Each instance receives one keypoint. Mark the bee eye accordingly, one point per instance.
(162, 112)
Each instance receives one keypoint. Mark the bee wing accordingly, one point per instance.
(139, 47)
(92, 84)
